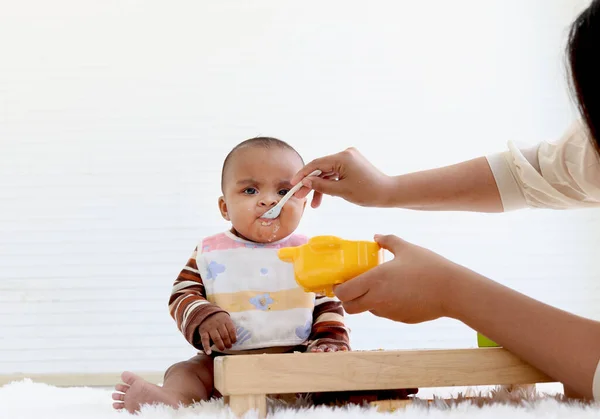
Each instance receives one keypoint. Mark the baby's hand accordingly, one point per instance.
(220, 328)
(329, 347)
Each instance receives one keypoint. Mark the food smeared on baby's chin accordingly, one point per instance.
(274, 234)
(268, 229)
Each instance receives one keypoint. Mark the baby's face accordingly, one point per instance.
(255, 180)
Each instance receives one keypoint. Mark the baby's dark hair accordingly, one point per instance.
(583, 48)
(264, 142)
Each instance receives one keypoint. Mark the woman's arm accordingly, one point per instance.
(563, 345)
(559, 175)
(419, 285)
(466, 186)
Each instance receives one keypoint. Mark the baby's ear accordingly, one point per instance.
(223, 208)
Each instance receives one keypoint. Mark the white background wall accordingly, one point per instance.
(115, 117)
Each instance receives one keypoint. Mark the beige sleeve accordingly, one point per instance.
(559, 175)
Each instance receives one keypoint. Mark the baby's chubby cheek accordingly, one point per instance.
(293, 213)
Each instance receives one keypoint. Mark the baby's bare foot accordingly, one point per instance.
(136, 392)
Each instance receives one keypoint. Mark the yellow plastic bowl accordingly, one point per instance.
(328, 260)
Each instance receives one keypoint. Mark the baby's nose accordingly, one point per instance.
(268, 202)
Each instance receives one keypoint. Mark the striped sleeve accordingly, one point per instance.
(328, 323)
(188, 304)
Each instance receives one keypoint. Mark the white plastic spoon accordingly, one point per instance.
(276, 210)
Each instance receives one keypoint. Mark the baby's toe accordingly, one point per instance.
(122, 388)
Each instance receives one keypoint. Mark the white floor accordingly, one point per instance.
(27, 400)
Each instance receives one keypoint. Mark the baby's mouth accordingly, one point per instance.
(265, 222)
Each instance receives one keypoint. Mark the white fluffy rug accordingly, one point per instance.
(27, 400)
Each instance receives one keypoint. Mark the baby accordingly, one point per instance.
(235, 295)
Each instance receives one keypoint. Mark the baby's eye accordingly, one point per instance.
(250, 191)
(283, 192)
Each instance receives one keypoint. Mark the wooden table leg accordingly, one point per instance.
(240, 404)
